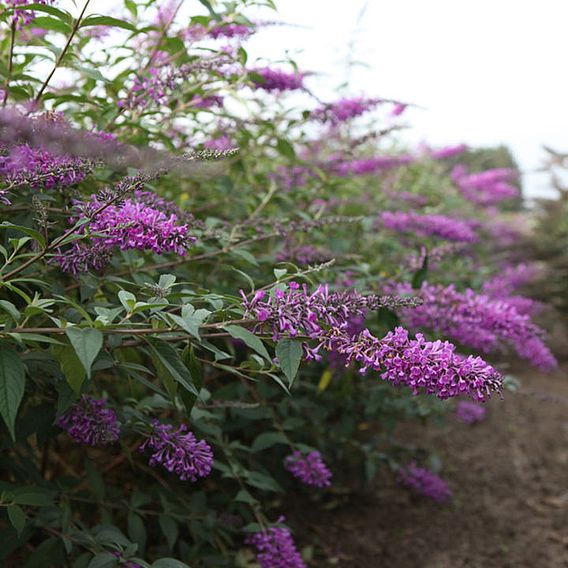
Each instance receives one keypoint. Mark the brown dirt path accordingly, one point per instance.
(509, 475)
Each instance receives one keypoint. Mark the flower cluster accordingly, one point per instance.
(135, 225)
(304, 255)
(23, 165)
(429, 225)
(297, 312)
(447, 152)
(275, 548)
(365, 166)
(344, 109)
(22, 18)
(310, 469)
(488, 187)
(179, 451)
(222, 29)
(470, 412)
(90, 421)
(478, 321)
(432, 367)
(424, 482)
(276, 80)
(154, 87)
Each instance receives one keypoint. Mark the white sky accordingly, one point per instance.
(484, 72)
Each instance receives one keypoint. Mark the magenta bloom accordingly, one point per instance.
(23, 18)
(448, 152)
(135, 225)
(488, 187)
(424, 482)
(469, 412)
(310, 469)
(35, 167)
(344, 109)
(429, 225)
(432, 367)
(365, 166)
(275, 548)
(89, 421)
(277, 80)
(179, 451)
(478, 321)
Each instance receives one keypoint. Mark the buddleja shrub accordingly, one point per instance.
(219, 293)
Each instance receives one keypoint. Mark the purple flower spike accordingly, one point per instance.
(424, 482)
(310, 469)
(89, 421)
(277, 80)
(275, 548)
(179, 451)
(469, 412)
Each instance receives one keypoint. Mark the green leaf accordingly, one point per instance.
(420, 275)
(267, 440)
(33, 496)
(17, 518)
(53, 24)
(191, 319)
(127, 299)
(10, 309)
(61, 14)
(12, 386)
(71, 366)
(172, 363)
(289, 353)
(169, 563)
(107, 21)
(249, 339)
(285, 148)
(196, 373)
(170, 529)
(87, 343)
(103, 560)
(137, 531)
(26, 230)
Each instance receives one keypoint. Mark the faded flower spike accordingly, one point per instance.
(89, 421)
(424, 482)
(310, 469)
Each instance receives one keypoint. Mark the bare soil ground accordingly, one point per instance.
(509, 475)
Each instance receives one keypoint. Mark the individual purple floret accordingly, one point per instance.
(179, 451)
(429, 225)
(275, 548)
(90, 421)
(424, 482)
(310, 469)
(276, 79)
(469, 412)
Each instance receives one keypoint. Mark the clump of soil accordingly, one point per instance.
(509, 475)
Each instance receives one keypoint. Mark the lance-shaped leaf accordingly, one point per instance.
(87, 343)
(12, 386)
